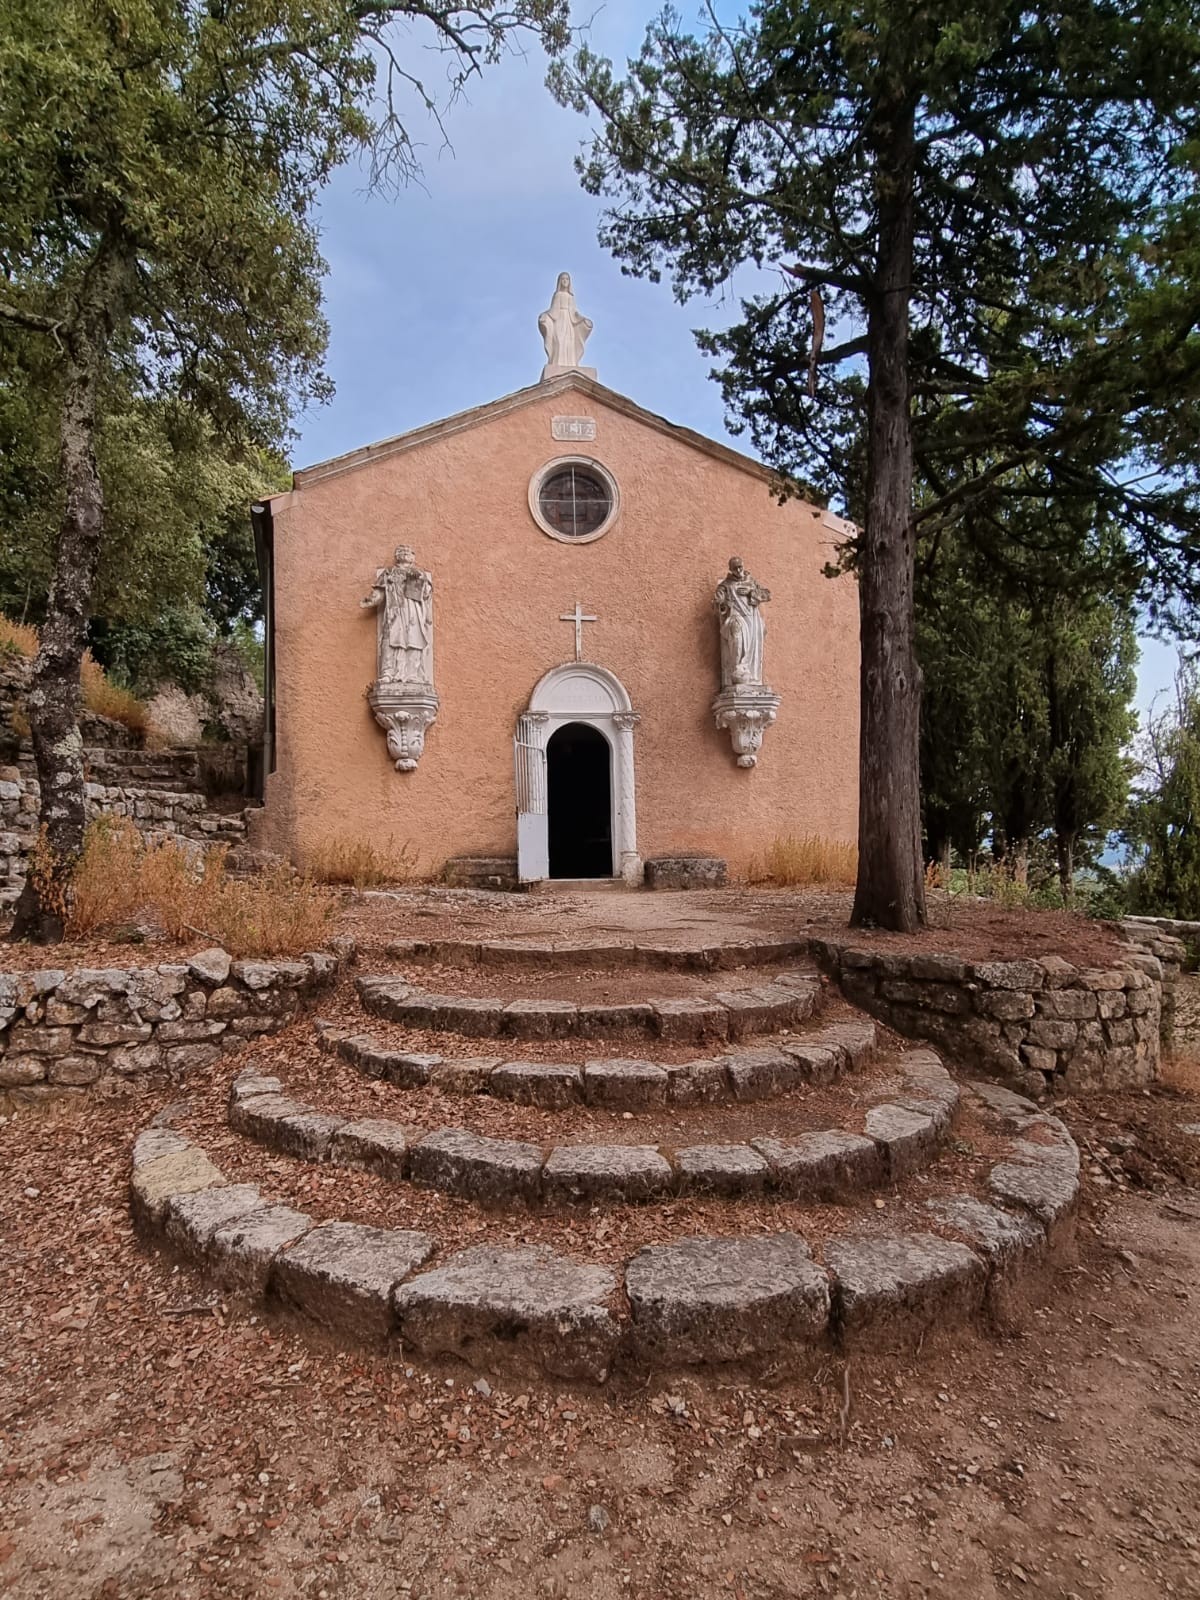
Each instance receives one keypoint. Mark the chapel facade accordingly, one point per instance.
(557, 629)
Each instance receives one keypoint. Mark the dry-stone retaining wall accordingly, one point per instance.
(1045, 1024)
(68, 1030)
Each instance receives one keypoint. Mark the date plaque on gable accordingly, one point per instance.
(573, 429)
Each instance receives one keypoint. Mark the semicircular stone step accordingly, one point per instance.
(903, 1131)
(818, 1056)
(692, 1300)
(783, 1000)
(604, 955)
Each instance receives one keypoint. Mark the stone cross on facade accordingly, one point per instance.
(578, 617)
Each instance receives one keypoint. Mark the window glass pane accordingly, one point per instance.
(574, 502)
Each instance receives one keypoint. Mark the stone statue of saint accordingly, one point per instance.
(564, 332)
(738, 601)
(403, 596)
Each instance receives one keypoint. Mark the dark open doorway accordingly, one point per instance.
(579, 791)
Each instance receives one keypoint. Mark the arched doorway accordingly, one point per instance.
(584, 703)
(579, 801)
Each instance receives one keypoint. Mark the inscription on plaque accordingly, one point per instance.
(573, 429)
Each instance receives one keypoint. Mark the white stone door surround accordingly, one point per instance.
(577, 691)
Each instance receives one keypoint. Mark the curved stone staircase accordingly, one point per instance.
(849, 1193)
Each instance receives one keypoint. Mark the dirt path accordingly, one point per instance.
(150, 1445)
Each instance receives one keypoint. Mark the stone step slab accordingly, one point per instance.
(601, 954)
(789, 1000)
(628, 1083)
(830, 1165)
(588, 1173)
(704, 1300)
(691, 1300)
(490, 1172)
(342, 1274)
(822, 1167)
(242, 1253)
(892, 1291)
(526, 1307)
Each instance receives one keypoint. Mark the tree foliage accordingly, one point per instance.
(1026, 716)
(994, 209)
(159, 163)
(1164, 824)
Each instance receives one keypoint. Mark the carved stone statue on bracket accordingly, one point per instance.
(564, 332)
(745, 706)
(402, 696)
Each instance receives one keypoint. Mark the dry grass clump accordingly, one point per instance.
(362, 863)
(1181, 1072)
(17, 638)
(809, 859)
(185, 890)
(100, 694)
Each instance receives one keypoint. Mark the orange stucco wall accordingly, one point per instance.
(500, 584)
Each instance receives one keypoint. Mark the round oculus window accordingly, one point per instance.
(573, 500)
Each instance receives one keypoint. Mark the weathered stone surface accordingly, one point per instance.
(855, 1040)
(464, 1074)
(524, 1308)
(1044, 1180)
(685, 872)
(188, 1032)
(254, 974)
(228, 1002)
(211, 966)
(152, 1143)
(1006, 1005)
(488, 1171)
(342, 1274)
(250, 1084)
(1070, 1005)
(889, 1292)
(761, 1074)
(724, 1169)
(75, 1070)
(587, 1172)
(286, 1125)
(818, 1063)
(176, 1172)
(1009, 974)
(374, 1145)
(26, 1039)
(240, 1253)
(17, 1071)
(105, 1033)
(615, 1021)
(1012, 1244)
(690, 1020)
(538, 1083)
(751, 1011)
(693, 1083)
(539, 1019)
(907, 1138)
(190, 1220)
(624, 1085)
(824, 1166)
(709, 1300)
(191, 1057)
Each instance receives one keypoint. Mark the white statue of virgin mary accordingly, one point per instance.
(564, 332)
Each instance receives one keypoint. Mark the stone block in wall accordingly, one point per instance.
(108, 1033)
(1111, 1003)
(228, 1002)
(1005, 1005)
(29, 1039)
(191, 1057)
(189, 1032)
(938, 968)
(132, 1060)
(1068, 1005)
(1010, 974)
(1054, 1035)
(76, 1071)
(1039, 1059)
(17, 1071)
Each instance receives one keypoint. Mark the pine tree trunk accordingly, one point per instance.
(890, 892)
(1066, 865)
(53, 701)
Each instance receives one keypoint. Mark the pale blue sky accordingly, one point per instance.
(433, 296)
